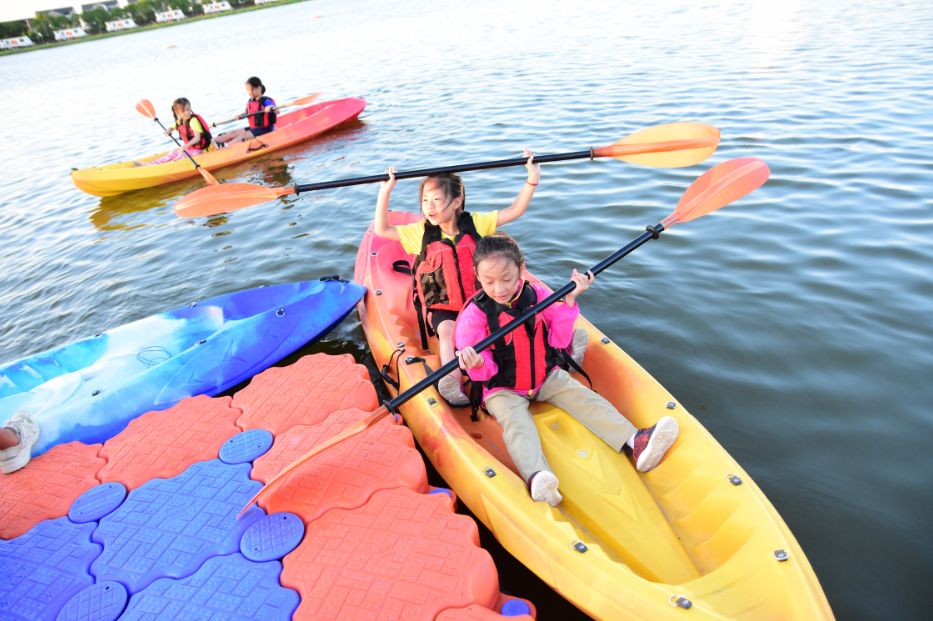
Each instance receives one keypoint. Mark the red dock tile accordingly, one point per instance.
(304, 393)
(344, 476)
(46, 487)
(162, 444)
(402, 555)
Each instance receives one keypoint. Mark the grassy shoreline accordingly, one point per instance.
(105, 35)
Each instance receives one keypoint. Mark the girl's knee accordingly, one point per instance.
(445, 330)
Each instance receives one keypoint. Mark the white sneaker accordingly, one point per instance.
(581, 338)
(450, 389)
(15, 457)
(544, 488)
(651, 444)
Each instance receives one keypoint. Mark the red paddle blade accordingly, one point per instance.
(354, 429)
(223, 198)
(672, 145)
(717, 187)
(145, 108)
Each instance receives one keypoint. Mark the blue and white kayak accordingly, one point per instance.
(89, 390)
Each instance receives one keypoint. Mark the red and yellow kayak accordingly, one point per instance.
(291, 128)
(695, 538)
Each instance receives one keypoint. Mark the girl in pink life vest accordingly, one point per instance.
(259, 114)
(522, 367)
(193, 133)
(442, 273)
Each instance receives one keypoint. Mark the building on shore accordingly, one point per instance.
(170, 16)
(66, 34)
(13, 43)
(216, 7)
(120, 24)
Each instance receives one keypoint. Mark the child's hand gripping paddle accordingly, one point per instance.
(717, 187)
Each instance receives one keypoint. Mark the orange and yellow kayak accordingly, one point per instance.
(694, 538)
(291, 128)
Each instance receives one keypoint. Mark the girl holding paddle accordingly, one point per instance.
(192, 129)
(260, 115)
(443, 243)
(522, 367)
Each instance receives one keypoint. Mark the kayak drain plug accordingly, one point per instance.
(781, 555)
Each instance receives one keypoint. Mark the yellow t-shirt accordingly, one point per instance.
(410, 234)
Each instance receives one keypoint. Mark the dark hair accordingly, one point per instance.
(181, 101)
(498, 244)
(450, 184)
(256, 82)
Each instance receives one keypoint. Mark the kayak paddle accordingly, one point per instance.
(145, 108)
(672, 145)
(716, 188)
(298, 102)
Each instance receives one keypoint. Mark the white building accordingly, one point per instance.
(216, 7)
(69, 33)
(15, 42)
(120, 24)
(170, 16)
(264, 1)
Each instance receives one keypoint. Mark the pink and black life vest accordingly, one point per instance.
(186, 133)
(260, 121)
(524, 357)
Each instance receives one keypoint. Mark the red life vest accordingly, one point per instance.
(186, 133)
(443, 274)
(260, 121)
(524, 357)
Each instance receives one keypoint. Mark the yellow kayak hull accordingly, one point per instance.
(291, 128)
(696, 531)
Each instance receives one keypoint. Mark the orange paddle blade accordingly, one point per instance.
(717, 187)
(215, 199)
(349, 432)
(672, 145)
(145, 108)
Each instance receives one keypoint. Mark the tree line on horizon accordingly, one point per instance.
(41, 27)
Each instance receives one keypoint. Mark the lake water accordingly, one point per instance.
(795, 324)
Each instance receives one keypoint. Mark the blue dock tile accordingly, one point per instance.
(103, 601)
(225, 588)
(246, 446)
(169, 527)
(272, 536)
(96, 502)
(43, 568)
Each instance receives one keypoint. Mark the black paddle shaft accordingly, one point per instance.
(651, 232)
(184, 150)
(424, 172)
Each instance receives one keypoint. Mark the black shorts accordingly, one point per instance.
(435, 317)
(259, 131)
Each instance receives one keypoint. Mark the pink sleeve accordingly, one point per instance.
(559, 318)
(471, 329)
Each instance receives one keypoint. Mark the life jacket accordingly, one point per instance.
(523, 357)
(443, 277)
(186, 133)
(260, 121)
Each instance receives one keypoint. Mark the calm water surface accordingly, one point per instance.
(795, 325)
